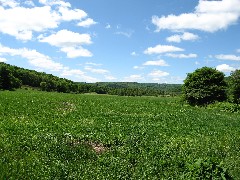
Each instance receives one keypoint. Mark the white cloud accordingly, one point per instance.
(108, 26)
(87, 23)
(69, 42)
(209, 16)
(3, 59)
(134, 78)
(181, 55)
(97, 71)
(225, 68)
(110, 78)
(162, 49)
(155, 63)
(125, 33)
(134, 53)
(73, 52)
(9, 3)
(66, 38)
(27, 21)
(70, 15)
(72, 72)
(228, 57)
(185, 36)
(158, 74)
(55, 2)
(85, 78)
(77, 75)
(138, 67)
(34, 58)
(93, 64)
(37, 19)
(29, 3)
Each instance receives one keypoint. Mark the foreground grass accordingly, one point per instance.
(65, 136)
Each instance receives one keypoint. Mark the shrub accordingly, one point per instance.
(225, 107)
(234, 86)
(204, 86)
(207, 169)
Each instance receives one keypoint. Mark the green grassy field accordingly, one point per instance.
(66, 136)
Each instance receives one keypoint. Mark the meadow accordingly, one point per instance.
(69, 136)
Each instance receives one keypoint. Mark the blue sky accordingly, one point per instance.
(129, 40)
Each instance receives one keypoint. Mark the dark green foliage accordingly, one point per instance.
(204, 86)
(7, 80)
(234, 86)
(43, 86)
(225, 107)
(207, 169)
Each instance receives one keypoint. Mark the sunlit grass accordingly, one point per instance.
(66, 136)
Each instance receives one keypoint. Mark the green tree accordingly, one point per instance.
(204, 86)
(43, 86)
(234, 86)
(7, 80)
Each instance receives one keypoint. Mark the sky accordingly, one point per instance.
(145, 41)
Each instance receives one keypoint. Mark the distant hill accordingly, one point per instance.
(12, 77)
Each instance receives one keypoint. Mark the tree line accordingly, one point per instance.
(13, 77)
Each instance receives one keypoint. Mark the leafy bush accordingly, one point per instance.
(234, 86)
(225, 107)
(204, 86)
(207, 169)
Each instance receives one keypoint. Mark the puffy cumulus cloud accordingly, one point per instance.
(69, 43)
(156, 63)
(158, 74)
(73, 52)
(27, 21)
(134, 78)
(182, 55)
(228, 57)
(3, 59)
(37, 19)
(34, 58)
(162, 49)
(87, 23)
(208, 16)
(71, 14)
(225, 68)
(184, 37)
(97, 71)
(65, 38)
